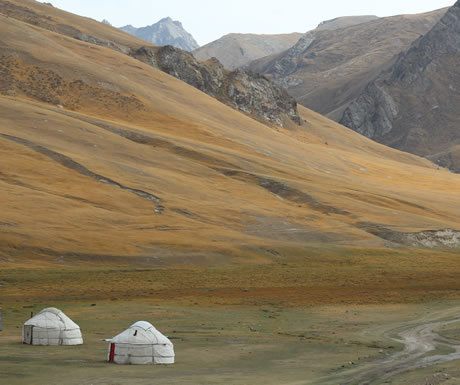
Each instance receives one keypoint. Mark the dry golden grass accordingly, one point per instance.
(321, 276)
(75, 183)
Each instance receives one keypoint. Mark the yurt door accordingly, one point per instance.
(28, 334)
(112, 352)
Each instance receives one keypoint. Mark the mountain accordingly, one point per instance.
(249, 93)
(414, 105)
(330, 66)
(107, 159)
(237, 49)
(165, 32)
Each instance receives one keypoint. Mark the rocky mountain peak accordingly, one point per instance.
(169, 20)
(165, 32)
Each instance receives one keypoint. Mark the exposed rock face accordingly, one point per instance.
(165, 32)
(236, 50)
(414, 106)
(447, 238)
(245, 91)
(373, 113)
(330, 66)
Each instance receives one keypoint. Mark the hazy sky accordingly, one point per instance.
(208, 20)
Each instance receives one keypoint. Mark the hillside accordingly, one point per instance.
(249, 93)
(329, 67)
(414, 106)
(238, 49)
(242, 90)
(105, 157)
(165, 32)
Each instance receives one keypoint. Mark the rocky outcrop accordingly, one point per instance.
(413, 106)
(165, 32)
(443, 238)
(245, 91)
(373, 113)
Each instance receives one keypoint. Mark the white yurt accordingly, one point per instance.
(141, 343)
(51, 327)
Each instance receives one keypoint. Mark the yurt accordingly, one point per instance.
(51, 327)
(140, 344)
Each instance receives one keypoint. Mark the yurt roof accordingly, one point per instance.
(142, 325)
(141, 333)
(52, 318)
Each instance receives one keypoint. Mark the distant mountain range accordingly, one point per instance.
(165, 32)
(329, 66)
(392, 79)
(238, 49)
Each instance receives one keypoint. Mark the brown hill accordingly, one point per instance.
(327, 69)
(242, 90)
(105, 157)
(414, 106)
(238, 49)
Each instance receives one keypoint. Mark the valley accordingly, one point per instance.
(270, 243)
(264, 342)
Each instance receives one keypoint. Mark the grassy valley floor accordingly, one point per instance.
(336, 317)
(226, 344)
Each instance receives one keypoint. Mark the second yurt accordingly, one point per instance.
(51, 327)
(141, 343)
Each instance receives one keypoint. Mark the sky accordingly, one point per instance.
(208, 20)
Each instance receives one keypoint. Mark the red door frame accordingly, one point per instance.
(112, 352)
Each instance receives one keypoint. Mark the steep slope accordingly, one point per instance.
(105, 157)
(242, 90)
(414, 106)
(165, 32)
(328, 68)
(237, 49)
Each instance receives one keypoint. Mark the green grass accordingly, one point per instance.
(214, 345)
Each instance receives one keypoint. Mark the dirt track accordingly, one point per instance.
(423, 347)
